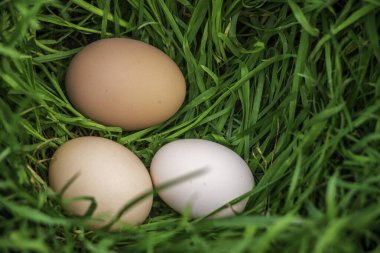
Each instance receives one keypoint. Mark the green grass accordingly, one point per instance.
(292, 87)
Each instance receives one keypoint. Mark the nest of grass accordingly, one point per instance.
(294, 88)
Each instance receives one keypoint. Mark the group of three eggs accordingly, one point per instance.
(130, 84)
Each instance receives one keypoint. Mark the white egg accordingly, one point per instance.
(223, 176)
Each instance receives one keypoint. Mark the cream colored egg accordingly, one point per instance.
(125, 83)
(106, 171)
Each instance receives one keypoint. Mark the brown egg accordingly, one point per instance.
(106, 171)
(126, 83)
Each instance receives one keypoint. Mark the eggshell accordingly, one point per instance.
(126, 83)
(106, 171)
(223, 176)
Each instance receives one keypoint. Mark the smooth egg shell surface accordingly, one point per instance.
(125, 83)
(223, 176)
(106, 171)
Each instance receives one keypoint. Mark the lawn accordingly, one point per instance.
(292, 86)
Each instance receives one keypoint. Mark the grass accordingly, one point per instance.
(292, 87)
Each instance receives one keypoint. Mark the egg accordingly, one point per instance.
(126, 83)
(106, 171)
(207, 176)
